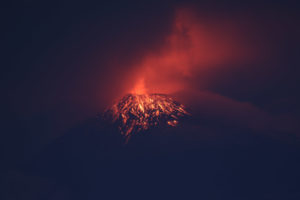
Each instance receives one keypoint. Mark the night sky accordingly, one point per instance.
(234, 65)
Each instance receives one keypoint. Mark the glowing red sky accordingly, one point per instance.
(195, 45)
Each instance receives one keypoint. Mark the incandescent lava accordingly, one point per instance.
(139, 112)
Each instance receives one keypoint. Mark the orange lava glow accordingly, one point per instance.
(139, 112)
(139, 87)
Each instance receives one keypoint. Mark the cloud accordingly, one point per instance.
(220, 109)
(197, 47)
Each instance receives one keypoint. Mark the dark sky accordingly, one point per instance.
(234, 64)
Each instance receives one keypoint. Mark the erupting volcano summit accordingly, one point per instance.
(139, 112)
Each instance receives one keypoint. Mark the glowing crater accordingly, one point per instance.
(139, 112)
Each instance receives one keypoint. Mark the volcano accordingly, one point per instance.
(135, 113)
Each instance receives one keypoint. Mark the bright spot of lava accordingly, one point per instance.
(139, 112)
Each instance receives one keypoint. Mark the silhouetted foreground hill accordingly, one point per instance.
(168, 163)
